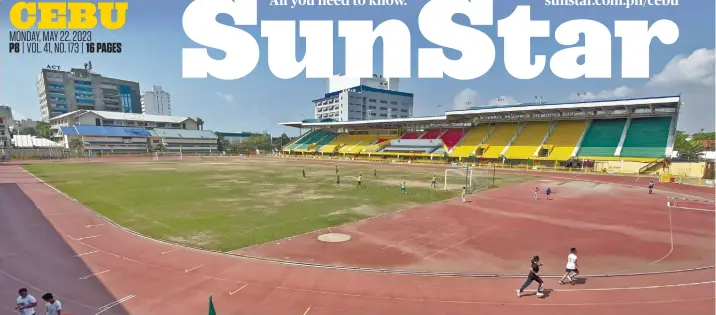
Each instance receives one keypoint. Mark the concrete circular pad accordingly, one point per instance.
(334, 237)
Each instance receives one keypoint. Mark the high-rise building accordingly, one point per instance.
(156, 102)
(61, 92)
(348, 99)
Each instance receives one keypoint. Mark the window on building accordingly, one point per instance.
(383, 108)
(393, 103)
(383, 115)
(371, 100)
(383, 102)
(373, 114)
(394, 109)
(371, 107)
(402, 110)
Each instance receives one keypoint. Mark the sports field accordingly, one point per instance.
(227, 205)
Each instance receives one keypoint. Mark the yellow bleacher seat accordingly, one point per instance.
(469, 143)
(528, 141)
(499, 139)
(564, 139)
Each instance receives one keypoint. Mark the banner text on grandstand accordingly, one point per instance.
(435, 24)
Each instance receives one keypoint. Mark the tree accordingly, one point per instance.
(222, 144)
(43, 130)
(691, 151)
(259, 140)
(76, 145)
(680, 142)
(701, 135)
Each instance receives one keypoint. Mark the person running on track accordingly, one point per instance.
(572, 267)
(533, 276)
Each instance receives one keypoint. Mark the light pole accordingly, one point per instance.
(437, 109)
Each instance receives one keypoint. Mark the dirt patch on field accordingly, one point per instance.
(200, 239)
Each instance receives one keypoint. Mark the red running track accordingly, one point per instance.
(150, 277)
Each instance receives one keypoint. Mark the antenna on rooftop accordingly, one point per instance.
(538, 99)
(581, 96)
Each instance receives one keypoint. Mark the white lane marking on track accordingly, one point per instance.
(634, 288)
(87, 253)
(190, 269)
(93, 275)
(86, 237)
(232, 293)
(167, 252)
(671, 240)
(104, 308)
(93, 225)
(307, 310)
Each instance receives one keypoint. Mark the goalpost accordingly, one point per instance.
(172, 156)
(470, 178)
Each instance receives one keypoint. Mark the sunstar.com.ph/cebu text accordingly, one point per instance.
(613, 3)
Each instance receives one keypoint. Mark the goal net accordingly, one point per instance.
(471, 178)
(167, 156)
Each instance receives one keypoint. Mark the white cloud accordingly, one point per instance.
(465, 99)
(229, 98)
(690, 76)
(694, 69)
(622, 91)
(503, 100)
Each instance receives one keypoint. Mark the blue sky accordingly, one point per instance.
(153, 39)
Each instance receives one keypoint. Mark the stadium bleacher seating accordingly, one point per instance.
(647, 137)
(326, 139)
(452, 137)
(356, 143)
(529, 140)
(602, 138)
(470, 141)
(303, 142)
(413, 145)
(564, 138)
(411, 135)
(431, 134)
(499, 139)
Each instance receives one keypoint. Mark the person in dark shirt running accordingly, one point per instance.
(533, 276)
(651, 187)
(375, 173)
(303, 172)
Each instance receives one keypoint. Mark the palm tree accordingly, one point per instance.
(691, 150)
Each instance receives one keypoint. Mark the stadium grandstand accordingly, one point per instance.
(636, 130)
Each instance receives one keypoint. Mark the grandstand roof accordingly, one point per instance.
(127, 116)
(526, 111)
(27, 141)
(88, 130)
(182, 133)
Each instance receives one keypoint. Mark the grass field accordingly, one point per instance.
(234, 204)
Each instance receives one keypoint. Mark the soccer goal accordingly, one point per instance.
(167, 156)
(470, 178)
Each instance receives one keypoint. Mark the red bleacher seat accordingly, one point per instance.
(411, 135)
(452, 137)
(431, 134)
(381, 140)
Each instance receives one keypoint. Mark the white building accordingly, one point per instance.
(156, 102)
(113, 119)
(349, 99)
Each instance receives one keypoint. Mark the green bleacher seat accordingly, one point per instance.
(647, 137)
(602, 138)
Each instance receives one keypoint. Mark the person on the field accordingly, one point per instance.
(403, 188)
(533, 276)
(434, 183)
(572, 269)
(26, 303)
(303, 173)
(338, 180)
(651, 187)
(462, 194)
(52, 306)
(360, 179)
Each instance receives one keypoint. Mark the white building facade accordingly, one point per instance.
(156, 102)
(350, 99)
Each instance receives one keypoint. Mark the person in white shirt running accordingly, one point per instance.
(52, 306)
(572, 269)
(25, 303)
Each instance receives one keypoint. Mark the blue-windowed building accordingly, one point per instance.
(61, 92)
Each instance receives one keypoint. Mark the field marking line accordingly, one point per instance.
(671, 239)
(56, 214)
(307, 310)
(187, 270)
(243, 286)
(664, 286)
(104, 308)
(93, 225)
(93, 275)
(694, 209)
(469, 238)
(418, 236)
(86, 237)
(88, 253)
(171, 251)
